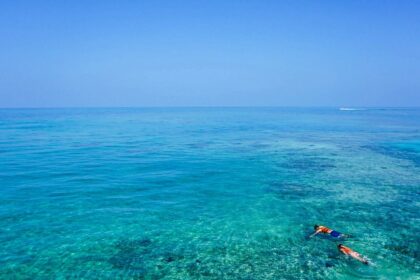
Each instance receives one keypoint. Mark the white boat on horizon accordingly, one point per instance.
(351, 109)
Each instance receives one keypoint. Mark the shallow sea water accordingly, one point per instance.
(208, 193)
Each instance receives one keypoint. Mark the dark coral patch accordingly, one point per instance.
(310, 164)
(396, 151)
(130, 255)
(132, 244)
(127, 260)
(171, 257)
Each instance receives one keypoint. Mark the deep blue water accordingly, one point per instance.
(208, 193)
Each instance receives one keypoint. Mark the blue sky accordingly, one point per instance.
(209, 53)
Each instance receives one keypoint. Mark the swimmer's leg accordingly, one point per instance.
(335, 234)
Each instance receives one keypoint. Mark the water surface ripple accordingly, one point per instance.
(207, 193)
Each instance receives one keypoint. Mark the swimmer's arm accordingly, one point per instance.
(315, 233)
(362, 260)
(359, 258)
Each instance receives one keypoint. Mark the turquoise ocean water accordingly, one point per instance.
(208, 193)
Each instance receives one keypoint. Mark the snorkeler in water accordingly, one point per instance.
(325, 230)
(349, 252)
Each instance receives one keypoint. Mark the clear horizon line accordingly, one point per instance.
(211, 106)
